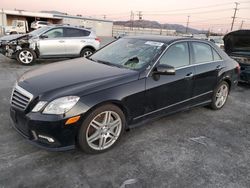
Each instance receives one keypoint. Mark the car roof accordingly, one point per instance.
(68, 26)
(164, 39)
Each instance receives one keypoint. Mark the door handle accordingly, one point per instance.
(189, 75)
(61, 41)
(219, 67)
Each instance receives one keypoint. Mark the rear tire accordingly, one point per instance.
(86, 52)
(101, 129)
(26, 56)
(220, 96)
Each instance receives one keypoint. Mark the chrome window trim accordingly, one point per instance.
(190, 63)
(166, 107)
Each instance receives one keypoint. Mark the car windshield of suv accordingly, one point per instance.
(128, 53)
(38, 31)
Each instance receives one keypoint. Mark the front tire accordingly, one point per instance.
(26, 56)
(220, 96)
(102, 129)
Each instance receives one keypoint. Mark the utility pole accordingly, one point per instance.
(241, 25)
(132, 20)
(234, 16)
(139, 15)
(3, 32)
(187, 24)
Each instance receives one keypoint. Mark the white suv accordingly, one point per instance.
(39, 24)
(51, 42)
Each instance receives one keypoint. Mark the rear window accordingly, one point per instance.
(202, 52)
(72, 32)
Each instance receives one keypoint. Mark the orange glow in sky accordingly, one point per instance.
(215, 15)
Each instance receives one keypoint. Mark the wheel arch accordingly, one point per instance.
(117, 103)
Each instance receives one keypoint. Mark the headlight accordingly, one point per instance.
(39, 106)
(61, 105)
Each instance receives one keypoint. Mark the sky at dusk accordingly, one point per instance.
(215, 15)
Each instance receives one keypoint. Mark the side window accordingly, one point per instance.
(71, 32)
(217, 57)
(177, 55)
(202, 52)
(55, 33)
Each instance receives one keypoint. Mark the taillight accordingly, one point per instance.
(97, 39)
(238, 68)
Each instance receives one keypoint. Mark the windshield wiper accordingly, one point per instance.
(108, 63)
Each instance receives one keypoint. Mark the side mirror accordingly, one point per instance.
(164, 70)
(44, 36)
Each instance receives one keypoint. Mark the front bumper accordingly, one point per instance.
(46, 131)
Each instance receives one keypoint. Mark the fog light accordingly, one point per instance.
(47, 138)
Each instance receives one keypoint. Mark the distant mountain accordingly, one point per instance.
(154, 24)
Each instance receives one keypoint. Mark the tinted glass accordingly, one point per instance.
(216, 56)
(177, 55)
(129, 53)
(71, 32)
(202, 52)
(55, 33)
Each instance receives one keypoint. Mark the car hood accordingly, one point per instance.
(74, 77)
(12, 37)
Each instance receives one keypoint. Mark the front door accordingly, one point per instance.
(171, 92)
(52, 43)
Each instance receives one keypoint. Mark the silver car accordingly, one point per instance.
(39, 24)
(50, 42)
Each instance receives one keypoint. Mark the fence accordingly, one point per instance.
(117, 29)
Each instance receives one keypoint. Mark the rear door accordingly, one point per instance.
(208, 64)
(171, 92)
(75, 40)
(53, 44)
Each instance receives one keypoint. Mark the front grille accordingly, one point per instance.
(20, 98)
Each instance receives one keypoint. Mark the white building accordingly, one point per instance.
(100, 26)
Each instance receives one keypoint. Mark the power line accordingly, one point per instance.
(199, 12)
(234, 16)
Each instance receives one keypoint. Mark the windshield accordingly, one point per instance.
(38, 31)
(128, 53)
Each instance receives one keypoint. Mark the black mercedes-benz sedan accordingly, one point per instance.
(90, 102)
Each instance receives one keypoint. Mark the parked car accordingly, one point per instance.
(120, 35)
(218, 40)
(17, 27)
(89, 102)
(39, 24)
(50, 42)
(237, 45)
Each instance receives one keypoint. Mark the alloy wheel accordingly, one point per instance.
(87, 53)
(104, 130)
(26, 57)
(221, 95)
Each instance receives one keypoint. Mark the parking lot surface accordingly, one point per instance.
(196, 148)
